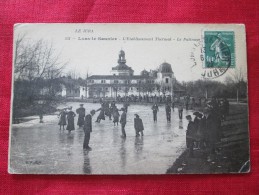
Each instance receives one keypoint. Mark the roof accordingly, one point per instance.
(122, 67)
(165, 68)
(114, 77)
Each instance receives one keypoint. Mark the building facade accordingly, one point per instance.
(123, 82)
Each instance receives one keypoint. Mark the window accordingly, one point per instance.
(166, 80)
(139, 81)
(131, 88)
(116, 81)
(103, 81)
(107, 89)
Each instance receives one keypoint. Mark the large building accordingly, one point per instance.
(123, 82)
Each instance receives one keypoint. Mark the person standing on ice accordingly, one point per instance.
(123, 122)
(168, 112)
(81, 115)
(138, 125)
(88, 129)
(62, 119)
(155, 110)
(70, 120)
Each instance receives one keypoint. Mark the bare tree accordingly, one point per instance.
(37, 69)
(237, 78)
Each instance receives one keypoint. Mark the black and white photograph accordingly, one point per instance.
(118, 99)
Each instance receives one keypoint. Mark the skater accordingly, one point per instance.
(70, 120)
(116, 116)
(107, 110)
(125, 106)
(168, 112)
(123, 122)
(155, 110)
(190, 134)
(173, 104)
(180, 110)
(88, 129)
(62, 119)
(81, 115)
(138, 125)
(101, 115)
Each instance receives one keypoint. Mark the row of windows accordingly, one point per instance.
(119, 89)
(125, 82)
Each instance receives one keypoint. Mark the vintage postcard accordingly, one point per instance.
(129, 99)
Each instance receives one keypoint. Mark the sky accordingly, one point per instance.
(178, 45)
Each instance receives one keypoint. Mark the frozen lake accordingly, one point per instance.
(43, 148)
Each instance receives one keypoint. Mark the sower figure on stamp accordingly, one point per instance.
(62, 119)
(70, 120)
(168, 112)
(123, 122)
(138, 125)
(88, 129)
(155, 110)
(81, 115)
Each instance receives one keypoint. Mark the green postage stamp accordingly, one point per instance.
(219, 49)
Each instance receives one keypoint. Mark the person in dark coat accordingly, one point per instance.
(212, 127)
(70, 120)
(101, 115)
(88, 129)
(202, 133)
(123, 122)
(62, 119)
(155, 110)
(116, 115)
(125, 106)
(138, 125)
(196, 119)
(81, 115)
(190, 135)
(168, 112)
(180, 110)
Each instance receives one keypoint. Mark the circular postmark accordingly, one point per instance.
(213, 54)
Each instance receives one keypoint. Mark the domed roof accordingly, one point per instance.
(165, 68)
(144, 72)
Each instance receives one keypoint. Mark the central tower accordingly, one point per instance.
(122, 68)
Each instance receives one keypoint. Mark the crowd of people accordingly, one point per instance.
(203, 132)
